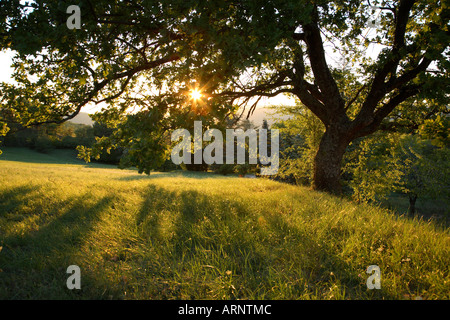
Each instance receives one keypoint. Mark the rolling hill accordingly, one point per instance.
(184, 235)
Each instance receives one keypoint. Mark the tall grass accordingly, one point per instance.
(182, 235)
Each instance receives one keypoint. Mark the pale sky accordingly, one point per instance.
(5, 63)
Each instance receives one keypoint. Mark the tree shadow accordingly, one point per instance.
(10, 199)
(173, 174)
(186, 229)
(34, 263)
(22, 154)
(224, 235)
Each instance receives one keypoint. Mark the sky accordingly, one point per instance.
(5, 63)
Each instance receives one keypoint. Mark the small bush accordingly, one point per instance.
(225, 169)
(68, 142)
(43, 144)
(242, 169)
(168, 165)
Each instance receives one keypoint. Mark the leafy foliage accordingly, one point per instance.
(425, 168)
(300, 135)
(401, 163)
(141, 58)
(414, 164)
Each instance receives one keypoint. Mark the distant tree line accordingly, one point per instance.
(68, 135)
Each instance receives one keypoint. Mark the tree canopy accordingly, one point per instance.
(141, 58)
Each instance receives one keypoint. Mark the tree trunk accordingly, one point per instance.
(328, 162)
(412, 204)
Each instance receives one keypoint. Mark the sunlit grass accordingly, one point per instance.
(184, 235)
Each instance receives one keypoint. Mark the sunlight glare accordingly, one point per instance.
(195, 94)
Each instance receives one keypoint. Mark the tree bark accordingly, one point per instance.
(328, 162)
(412, 204)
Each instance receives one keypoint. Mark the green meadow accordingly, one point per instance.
(184, 235)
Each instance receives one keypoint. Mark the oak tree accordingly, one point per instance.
(141, 59)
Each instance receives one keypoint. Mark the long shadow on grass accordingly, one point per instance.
(217, 248)
(173, 174)
(10, 199)
(34, 263)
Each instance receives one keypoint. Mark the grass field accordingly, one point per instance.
(182, 235)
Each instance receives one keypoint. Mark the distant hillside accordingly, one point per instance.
(265, 113)
(83, 118)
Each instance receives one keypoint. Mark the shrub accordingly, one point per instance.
(225, 169)
(168, 165)
(43, 144)
(242, 169)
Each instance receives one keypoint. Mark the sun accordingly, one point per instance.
(195, 94)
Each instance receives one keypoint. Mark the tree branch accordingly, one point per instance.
(378, 89)
(312, 104)
(355, 97)
(383, 112)
(298, 36)
(100, 85)
(409, 75)
(322, 74)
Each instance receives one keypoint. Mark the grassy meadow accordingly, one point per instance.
(183, 235)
